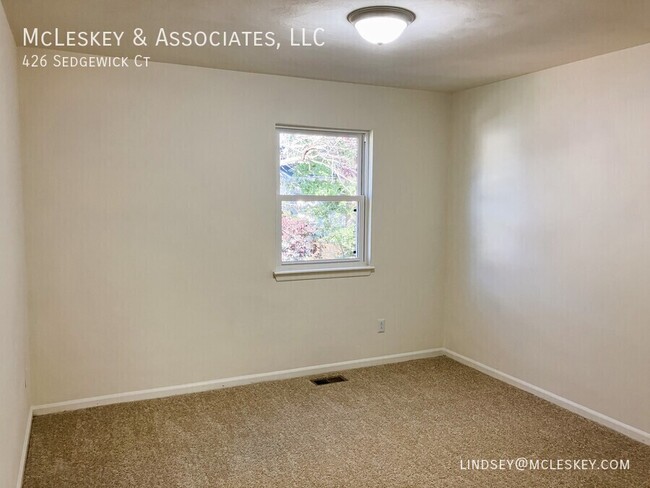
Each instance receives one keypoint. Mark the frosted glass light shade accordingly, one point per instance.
(380, 30)
(382, 24)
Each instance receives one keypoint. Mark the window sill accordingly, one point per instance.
(321, 274)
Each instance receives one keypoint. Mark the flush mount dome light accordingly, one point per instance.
(381, 24)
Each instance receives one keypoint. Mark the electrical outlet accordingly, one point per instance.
(381, 326)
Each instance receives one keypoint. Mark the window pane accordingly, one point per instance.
(316, 164)
(320, 230)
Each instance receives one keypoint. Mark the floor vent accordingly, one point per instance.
(328, 380)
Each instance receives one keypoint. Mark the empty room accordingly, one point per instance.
(329, 244)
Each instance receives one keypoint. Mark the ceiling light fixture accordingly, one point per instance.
(381, 24)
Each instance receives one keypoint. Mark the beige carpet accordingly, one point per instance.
(401, 425)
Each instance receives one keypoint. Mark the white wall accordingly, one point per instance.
(150, 202)
(549, 252)
(14, 397)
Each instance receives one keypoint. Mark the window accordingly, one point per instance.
(323, 203)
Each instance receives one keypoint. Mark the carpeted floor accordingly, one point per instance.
(411, 424)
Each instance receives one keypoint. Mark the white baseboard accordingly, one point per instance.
(23, 457)
(574, 407)
(229, 382)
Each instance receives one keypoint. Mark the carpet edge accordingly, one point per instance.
(586, 412)
(183, 389)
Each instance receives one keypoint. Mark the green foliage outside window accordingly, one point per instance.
(319, 165)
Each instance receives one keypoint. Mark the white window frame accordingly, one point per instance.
(334, 268)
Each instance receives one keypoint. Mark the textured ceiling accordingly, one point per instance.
(452, 44)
